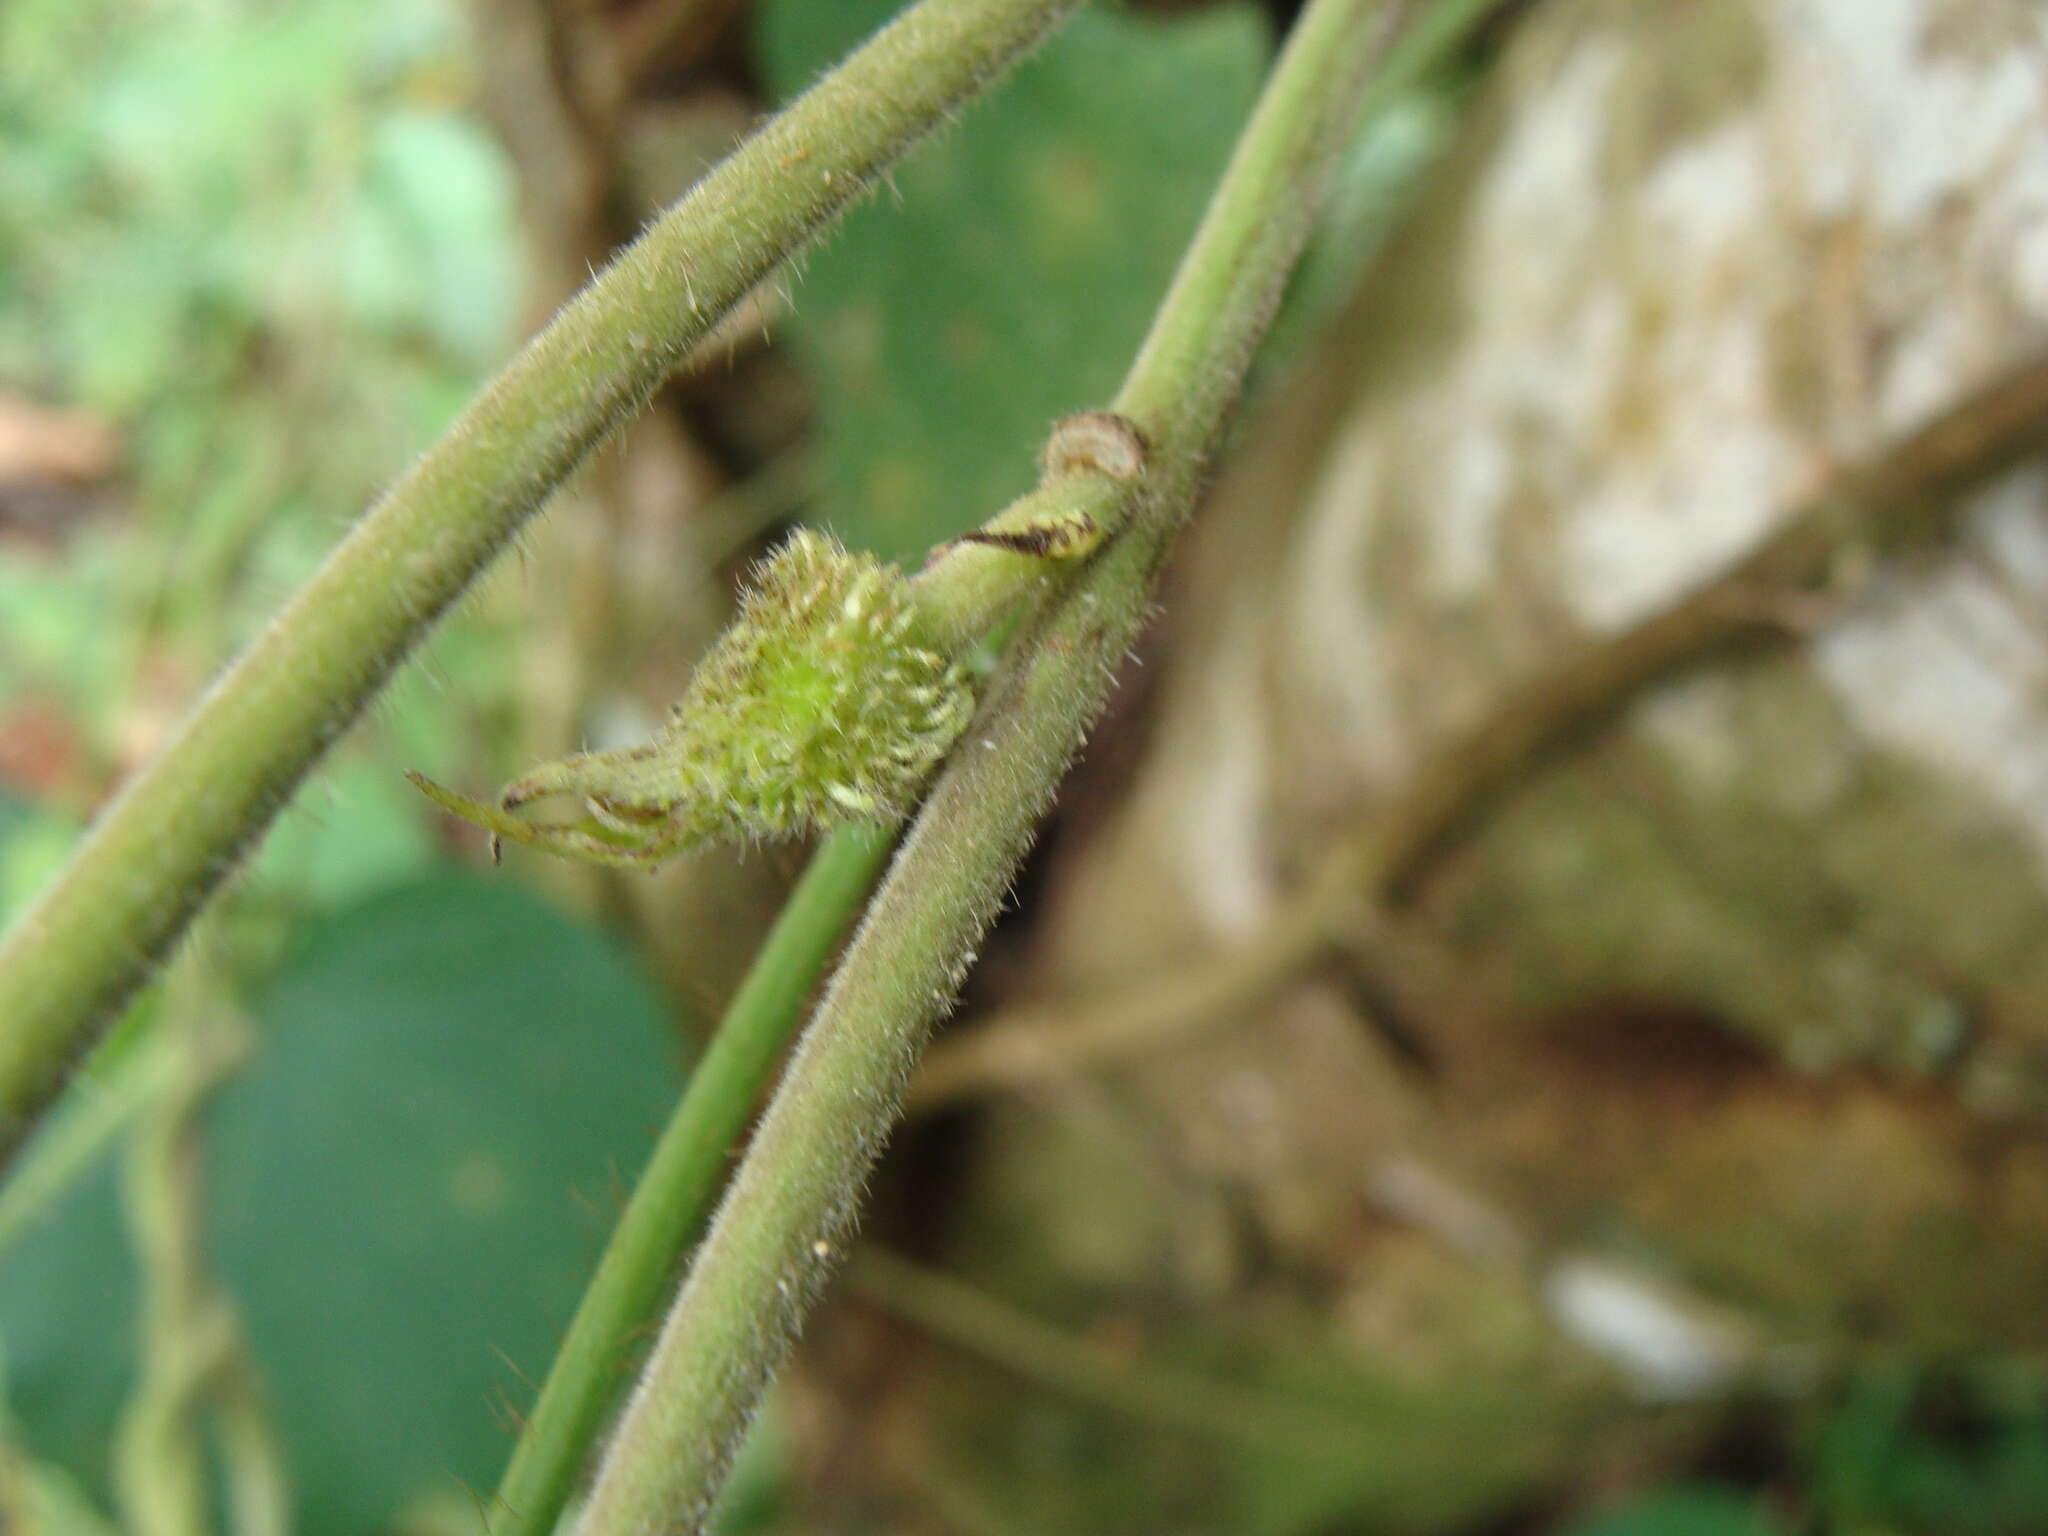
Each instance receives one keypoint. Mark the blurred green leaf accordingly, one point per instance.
(1688, 1509)
(67, 1302)
(433, 182)
(406, 1190)
(33, 843)
(38, 1500)
(352, 830)
(54, 632)
(1011, 281)
(183, 196)
(1983, 1473)
(411, 1182)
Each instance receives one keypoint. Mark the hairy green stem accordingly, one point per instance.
(181, 826)
(685, 1170)
(780, 1230)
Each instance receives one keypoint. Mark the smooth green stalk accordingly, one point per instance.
(682, 1175)
(181, 827)
(779, 1233)
(160, 1457)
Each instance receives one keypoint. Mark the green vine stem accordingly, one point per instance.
(685, 1170)
(180, 828)
(779, 1233)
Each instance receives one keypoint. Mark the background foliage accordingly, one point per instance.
(256, 256)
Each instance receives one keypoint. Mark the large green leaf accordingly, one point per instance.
(407, 1188)
(412, 1182)
(1011, 280)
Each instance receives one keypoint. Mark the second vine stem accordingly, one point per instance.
(683, 1174)
(781, 1230)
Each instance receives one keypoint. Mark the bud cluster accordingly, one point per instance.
(823, 701)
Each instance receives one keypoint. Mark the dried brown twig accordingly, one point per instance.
(1906, 491)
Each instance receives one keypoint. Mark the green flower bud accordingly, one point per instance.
(825, 700)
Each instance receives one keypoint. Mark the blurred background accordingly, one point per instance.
(1435, 1075)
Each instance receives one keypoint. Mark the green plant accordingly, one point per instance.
(842, 695)
(781, 1230)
